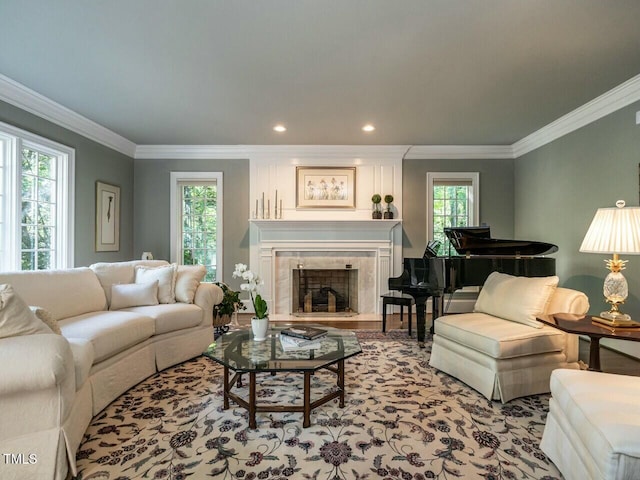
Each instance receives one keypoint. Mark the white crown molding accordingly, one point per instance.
(303, 152)
(183, 152)
(607, 103)
(22, 97)
(465, 152)
(300, 152)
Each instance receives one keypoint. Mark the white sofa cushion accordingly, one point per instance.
(109, 332)
(64, 293)
(170, 318)
(519, 299)
(133, 294)
(165, 276)
(497, 338)
(16, 318)
(187, 280)
(110, 273)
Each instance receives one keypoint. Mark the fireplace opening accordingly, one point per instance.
(321, 291)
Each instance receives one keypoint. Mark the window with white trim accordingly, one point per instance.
(452, 201)
(36, 202)
(196, 221)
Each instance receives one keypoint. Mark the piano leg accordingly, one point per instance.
(437, 307)
(421, 319)
(421, 315)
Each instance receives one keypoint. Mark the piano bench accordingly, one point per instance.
(396, 298)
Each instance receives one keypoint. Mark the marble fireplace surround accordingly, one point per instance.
(368, 245)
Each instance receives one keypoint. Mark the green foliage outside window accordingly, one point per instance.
(199, 227)
(38, 187)
(450, 209)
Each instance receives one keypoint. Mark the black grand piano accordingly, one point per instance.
(476, 256)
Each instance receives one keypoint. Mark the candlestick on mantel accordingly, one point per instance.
(275, 206)
(262, 204)
(280, 209)
(255, 213)
(268, 207)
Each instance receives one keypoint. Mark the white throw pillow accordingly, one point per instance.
(125, 295)
(519, 299)
(46, 317)
(187, 281)
(16, 318)
(110, 273)
(166, 277)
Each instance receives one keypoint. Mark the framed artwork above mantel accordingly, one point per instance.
(325, 187)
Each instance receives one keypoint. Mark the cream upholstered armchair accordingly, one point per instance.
(500, 349)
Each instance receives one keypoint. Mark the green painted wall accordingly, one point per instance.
(560, 186)
(151, 207)
(93, 162)
(496, 197)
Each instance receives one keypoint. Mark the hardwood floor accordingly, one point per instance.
(610, 360)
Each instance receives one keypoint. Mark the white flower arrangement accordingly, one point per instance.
(252, 281)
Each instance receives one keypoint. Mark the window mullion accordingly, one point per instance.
(15, 205)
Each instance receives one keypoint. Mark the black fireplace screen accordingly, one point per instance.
(325, 291)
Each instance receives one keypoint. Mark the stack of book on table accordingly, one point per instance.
(301, 337)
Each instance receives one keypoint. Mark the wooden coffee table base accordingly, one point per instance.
(252, 406)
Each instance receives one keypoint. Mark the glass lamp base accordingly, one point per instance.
(615, 315)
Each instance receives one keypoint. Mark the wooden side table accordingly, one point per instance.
(396, 298)
(584, 325)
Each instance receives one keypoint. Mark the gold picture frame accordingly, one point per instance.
(107, 217)
(326, 187)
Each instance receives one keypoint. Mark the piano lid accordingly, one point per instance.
(478, 241)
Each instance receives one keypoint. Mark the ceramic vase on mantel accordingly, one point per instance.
(259, 327)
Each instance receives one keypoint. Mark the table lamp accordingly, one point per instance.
(616, 231)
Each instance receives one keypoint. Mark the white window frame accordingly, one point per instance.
(435, 177)
(174, 206)
(12, 141)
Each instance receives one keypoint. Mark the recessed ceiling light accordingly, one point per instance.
(280, 128)
(368, 128)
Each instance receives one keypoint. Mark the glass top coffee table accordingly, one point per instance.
(237, 351)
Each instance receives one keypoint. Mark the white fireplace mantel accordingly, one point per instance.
(282, 230)
(378, 240)
(383, 224)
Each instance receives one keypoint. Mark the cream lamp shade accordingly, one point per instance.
(614, 230)
(617, 231)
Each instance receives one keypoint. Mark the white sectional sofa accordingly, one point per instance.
(500, 349)
(51, 385)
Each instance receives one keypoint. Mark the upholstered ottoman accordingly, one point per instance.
(500, 349)
(593, 426)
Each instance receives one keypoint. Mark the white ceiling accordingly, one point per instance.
(425, 72)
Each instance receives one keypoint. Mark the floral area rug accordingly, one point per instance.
(401, 420)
